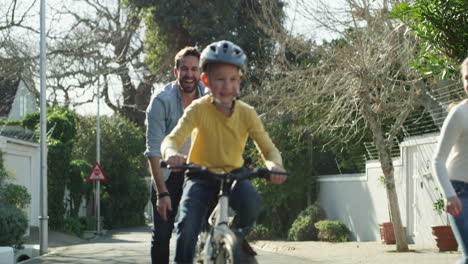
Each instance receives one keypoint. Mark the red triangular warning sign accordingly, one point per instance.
(97, 174)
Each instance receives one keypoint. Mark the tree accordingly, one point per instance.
(103, 48)
(125, 194)
(442, 27)
(61, 125)
(15, 13)
(172, 25)
(363, 81)
(16, 56)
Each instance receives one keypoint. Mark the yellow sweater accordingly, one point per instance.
(219, 141)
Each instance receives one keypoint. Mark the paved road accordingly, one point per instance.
(268, 257)
(128, 246)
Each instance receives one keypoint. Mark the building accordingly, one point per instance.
(18, 145)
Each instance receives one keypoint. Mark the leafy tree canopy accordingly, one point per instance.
(443, 27)
(172, 25)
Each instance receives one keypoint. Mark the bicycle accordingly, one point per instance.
(217, 242)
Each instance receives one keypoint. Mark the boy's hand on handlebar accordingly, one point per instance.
(175, 159)
(277, 178)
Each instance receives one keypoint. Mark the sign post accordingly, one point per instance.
(97, 175)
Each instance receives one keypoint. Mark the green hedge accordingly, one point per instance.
(303, 228)
(260, 232)
(124, 194)
(61, 131)
(10, 122)
(13, 221)
(78, 185)
(15, 195)
(332, 231)
(13, 225)
(75, 225)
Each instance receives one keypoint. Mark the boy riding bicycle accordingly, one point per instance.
(220, 126)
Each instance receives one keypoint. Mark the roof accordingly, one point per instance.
(10, 76)
(8, 88)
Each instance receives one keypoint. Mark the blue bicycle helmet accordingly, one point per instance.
(223, 52)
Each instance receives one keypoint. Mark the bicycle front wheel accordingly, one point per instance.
(225, 253)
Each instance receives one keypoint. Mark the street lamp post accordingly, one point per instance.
(43, 218)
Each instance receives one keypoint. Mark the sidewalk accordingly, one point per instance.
(357, 252)
(56, 239)
(126, 245)
(131, 245)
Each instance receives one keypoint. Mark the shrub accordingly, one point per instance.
(89, 222)
(15, 195)
(61, 130)
(313, 210)
(13, 225)
(77, 185)
(13, 221)
(75, 226)
(260, 232)
(126, 209)
(31, 120)
(332, 231)
(303, 227)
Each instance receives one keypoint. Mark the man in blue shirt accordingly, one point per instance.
(164, 110)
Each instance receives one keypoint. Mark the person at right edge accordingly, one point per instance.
(451, 167)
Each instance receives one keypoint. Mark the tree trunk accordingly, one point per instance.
(400, 235)
(384, 150)
(387, 168)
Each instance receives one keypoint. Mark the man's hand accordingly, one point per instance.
(453, 206)
(277, 178)
(164, 204)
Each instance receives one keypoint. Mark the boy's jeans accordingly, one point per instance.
(198, 197)
(459, 223)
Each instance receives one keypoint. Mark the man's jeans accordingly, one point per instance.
(198, 197)
(162, 230)
(459, 223)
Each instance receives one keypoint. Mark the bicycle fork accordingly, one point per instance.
(221, 235)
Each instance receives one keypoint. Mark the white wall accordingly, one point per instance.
(21, 161)
(360, 200)
(357, 200)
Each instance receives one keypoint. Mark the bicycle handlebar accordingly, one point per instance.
(240, 175)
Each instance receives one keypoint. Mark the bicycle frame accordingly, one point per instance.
(220, 242)
(220, 236)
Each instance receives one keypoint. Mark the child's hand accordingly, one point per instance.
(175, 159)
(277, 178)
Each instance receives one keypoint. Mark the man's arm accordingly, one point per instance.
(157, 174)
(156, 127)
(163, 203)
